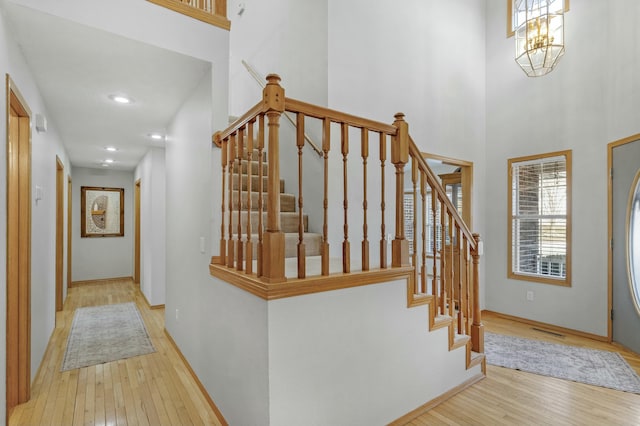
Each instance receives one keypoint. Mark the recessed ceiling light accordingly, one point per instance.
(156, 136)
(108, 160)
(121, 99)
(105, 165)
(111, 148)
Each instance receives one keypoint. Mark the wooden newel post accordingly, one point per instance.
(477, 328)
(223, 160)
(273, 244)
(399, 158)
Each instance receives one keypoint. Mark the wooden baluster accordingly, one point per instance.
(443, 260)
(231, 154)
(458, 281)
(400, 157)
(273, 244)
(239, 243)
(423, 268)
(248, 248)
(414, 223)
(365, 229)
(467, 311)
(260, 190)
(477, 328)
(434, 252)
(302, 269)
(450, 265)
(223, 160)
(326, 146)
(383, 230)
(346, 247)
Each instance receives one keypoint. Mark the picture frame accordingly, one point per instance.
(101, 212)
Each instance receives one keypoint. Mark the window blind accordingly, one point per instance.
(539, 216)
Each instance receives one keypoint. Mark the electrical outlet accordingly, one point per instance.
(530, 296)
(177, 313)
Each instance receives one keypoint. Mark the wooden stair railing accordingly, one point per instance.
(212, 12)
(448, 259)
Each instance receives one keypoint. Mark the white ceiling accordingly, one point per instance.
(76, 68)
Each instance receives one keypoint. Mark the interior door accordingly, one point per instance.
(625, 199)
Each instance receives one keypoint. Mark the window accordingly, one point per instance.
(540, 218)
(515, 14)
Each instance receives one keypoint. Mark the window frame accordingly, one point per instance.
(566, 281)
(510, 30)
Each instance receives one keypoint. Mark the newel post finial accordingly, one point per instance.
(399, 158)
(273, 94)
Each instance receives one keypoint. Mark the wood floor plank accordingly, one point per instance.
(153, 389)
(158, 389)
(510, 397)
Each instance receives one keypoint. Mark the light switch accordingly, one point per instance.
(201, 244)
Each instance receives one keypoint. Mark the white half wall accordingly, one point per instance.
(44, 149)
(151, 173)
(356, 356)
(592, 98)
(106, 257)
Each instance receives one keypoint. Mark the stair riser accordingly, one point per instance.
(255, 168)
(287, 201)
(312, 244)
(288, 222)
(254, 183)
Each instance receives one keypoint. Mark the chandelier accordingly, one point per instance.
(539, 35)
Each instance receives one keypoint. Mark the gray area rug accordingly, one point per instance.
(590, 366)
(106, 333)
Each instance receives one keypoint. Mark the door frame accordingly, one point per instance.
(59, 233)
(610, 148)
(466, 168)
(18, 339)
(136, 255)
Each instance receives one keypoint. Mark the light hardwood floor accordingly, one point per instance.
(154, 389)
(510, 397)
(157, 389)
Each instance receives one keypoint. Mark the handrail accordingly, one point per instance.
(319, 112)
(240, 122)
(416, 155)
(255, 75)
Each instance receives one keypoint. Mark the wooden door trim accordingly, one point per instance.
(69, 228)
(59, 233)
(136, 256)
(466, 168)
(610, 148)
(18, 339)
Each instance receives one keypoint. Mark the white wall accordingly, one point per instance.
(286, 37)
(151, 173)
(589, 100)
(356, 356)
(44, 148)
(426, 59)
(108, 257)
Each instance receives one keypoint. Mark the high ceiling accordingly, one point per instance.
(76, 68)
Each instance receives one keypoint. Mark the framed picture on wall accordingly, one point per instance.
(101, 212)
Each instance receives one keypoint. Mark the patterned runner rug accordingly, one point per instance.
(106, 333)
(590, 366)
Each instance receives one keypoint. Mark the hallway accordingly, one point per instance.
(155, 389)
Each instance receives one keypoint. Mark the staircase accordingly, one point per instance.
(258, 233)
(249, 179)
